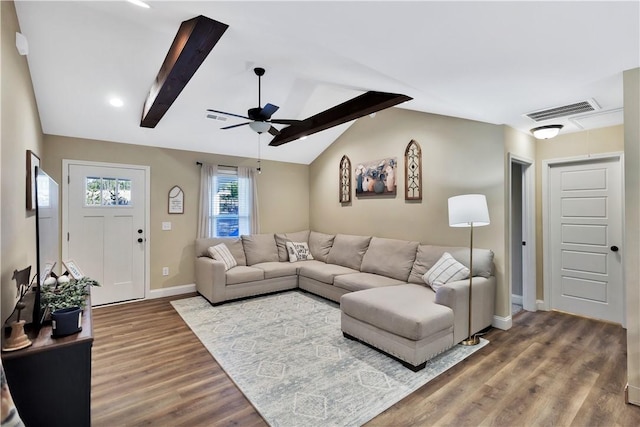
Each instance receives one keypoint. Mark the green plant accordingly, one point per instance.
(71, 294)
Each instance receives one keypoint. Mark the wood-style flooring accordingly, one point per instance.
(550, 369)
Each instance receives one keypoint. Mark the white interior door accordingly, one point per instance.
(106, 228)
(585, 232)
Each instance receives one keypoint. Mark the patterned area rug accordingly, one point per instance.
(287, 354)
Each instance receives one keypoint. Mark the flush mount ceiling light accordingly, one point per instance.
(546, 132)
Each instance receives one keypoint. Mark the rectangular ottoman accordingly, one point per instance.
(402, 321)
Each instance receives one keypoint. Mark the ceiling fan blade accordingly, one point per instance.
(286, 121)
(361, 105)
(235, 126)
(268, 110)
(273, 131)
(229, 114)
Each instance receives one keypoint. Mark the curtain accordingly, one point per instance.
(248, 201)
(207, 192)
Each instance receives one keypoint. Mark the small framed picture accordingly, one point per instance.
(176, 200)
(48, 268)
(73, 269)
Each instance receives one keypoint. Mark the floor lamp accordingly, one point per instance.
(469, 210)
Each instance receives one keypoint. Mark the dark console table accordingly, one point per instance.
(50, 381)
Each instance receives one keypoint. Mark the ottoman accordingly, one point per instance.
(401, 321)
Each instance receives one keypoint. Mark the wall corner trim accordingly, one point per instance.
(503, 323)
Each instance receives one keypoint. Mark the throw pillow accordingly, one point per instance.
(221, 252)
(446, 270)
(298, 251)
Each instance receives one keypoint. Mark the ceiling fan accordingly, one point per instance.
(260, 116)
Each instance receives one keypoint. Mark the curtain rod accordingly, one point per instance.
(224, 166)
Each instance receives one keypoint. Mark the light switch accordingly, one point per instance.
(166, 226)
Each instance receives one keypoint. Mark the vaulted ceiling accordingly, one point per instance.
(487, 61)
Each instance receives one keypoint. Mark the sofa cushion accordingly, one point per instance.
(348, 250)
(322, 272)
(445, 270)
(233, 243)
(220, 252)
(276, 269)
(320, 245)
(260, 248)
(428, 255)
(359, 281)
(242, 274)
(390, 257)
(283, 238)
(406, 310)
(298, 251)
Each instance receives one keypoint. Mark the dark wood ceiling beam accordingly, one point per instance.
(193, 42)
(360, 106)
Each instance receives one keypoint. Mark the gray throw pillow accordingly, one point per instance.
(283, 238)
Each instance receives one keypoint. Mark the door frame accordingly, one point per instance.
(147, 210)
(528, 231)
(546, 249)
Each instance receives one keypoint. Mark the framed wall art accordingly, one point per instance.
(176, 200)
(413, 171)
(345, 180)
(33, 161)
(376, 178)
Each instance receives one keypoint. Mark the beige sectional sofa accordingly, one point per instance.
(379, 283)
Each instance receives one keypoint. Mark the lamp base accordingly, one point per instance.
(474, 340)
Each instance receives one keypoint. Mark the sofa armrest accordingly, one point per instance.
(211, 279)
(455, 295)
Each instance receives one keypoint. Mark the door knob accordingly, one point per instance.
(139, 230)
(139, 239)
(614, 248)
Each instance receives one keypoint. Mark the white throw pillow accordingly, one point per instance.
(446, 270)
(298, 251)
(221, 252)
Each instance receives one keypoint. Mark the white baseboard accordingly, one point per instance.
(632, 394)
(172, 291)
(503, 323)
(540, 305)
(516, 299)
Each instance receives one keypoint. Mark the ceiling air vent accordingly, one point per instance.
(216, 117)
(564, 110)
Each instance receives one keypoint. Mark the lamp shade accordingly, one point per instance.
(468, 209)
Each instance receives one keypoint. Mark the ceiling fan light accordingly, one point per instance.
(546, 132)
(260, 127)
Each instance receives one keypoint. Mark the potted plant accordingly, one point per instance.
(65, 300)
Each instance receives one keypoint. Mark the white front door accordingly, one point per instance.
(585, 232)
(106, 228)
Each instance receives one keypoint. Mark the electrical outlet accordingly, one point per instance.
(165, 271)
(166, 226)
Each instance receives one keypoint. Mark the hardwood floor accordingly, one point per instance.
(549, 369)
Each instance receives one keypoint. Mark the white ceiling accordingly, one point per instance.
(486, 61)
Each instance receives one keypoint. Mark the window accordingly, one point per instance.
(107, 191)
(230, 204)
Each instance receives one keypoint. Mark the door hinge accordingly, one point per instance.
(68, 179)
(67, 237)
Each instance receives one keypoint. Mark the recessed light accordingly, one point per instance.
(116, 102)
(139, 3)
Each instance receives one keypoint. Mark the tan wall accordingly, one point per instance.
(459, 157)
(632, 227)
(21, 131)
(603, 140)
(282, 192)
